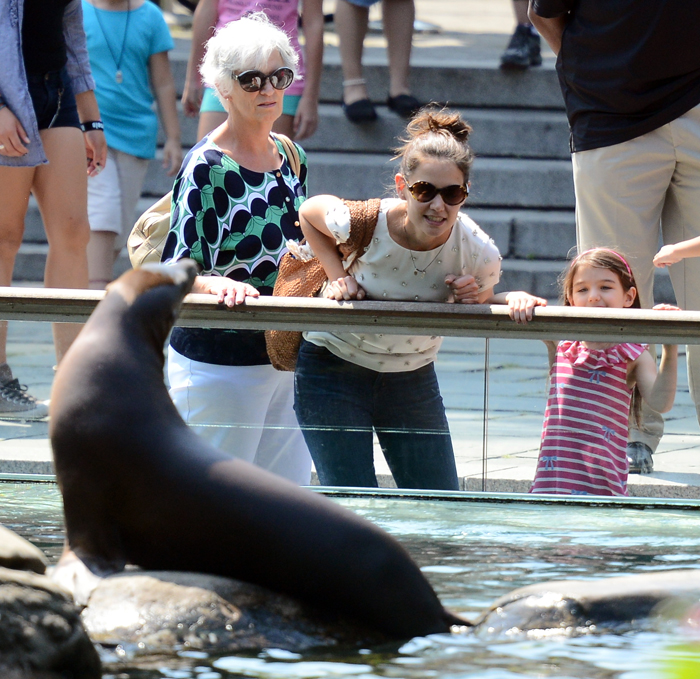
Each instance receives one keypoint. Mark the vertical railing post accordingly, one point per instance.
(485, 432)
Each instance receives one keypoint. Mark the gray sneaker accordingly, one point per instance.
(17, 404)
(639, 458)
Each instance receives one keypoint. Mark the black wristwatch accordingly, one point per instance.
(91, 125)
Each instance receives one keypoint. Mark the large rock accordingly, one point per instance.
(583, 606)
(163, 612)
(18, 553)
(41, 635)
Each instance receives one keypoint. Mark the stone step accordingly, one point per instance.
(536, 276)
(497, 132)
(519, 234)
(539, 277)
(31, 260)
(455, 82)
(496, 182)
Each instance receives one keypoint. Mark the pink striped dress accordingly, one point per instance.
(584, 436)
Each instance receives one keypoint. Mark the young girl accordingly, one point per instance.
(584, 438)
(423, 249)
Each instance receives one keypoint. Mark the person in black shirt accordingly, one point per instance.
(630, 76)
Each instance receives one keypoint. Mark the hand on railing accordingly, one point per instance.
(521, 304)
(226, 291)
(344, 289)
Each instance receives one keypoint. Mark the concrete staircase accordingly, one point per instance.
(522, 190)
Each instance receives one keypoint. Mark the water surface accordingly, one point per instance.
(472, 552)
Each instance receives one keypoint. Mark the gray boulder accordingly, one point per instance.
(149, 612)
(18, 553)
(575, 607)
(41, 635)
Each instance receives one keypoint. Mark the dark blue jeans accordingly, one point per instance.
(338, 404)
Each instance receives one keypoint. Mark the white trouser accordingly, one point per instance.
(245, 411)
(625, 194)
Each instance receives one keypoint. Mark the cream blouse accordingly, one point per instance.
(386, 270)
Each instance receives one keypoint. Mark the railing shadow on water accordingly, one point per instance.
(481, 323)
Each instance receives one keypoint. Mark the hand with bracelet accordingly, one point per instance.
(95, 146)
(12, 135)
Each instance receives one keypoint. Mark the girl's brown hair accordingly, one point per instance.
(435, 133)
(602, 258)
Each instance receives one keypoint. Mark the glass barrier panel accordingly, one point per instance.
(518, 387)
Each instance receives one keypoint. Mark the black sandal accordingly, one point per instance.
(360, 111)
(404, 104)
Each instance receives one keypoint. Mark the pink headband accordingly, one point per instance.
(617, 254)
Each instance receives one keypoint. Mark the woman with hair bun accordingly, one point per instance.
(423, 249)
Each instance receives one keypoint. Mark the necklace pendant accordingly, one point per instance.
(422, 274)
(119, 77)
(415, 273)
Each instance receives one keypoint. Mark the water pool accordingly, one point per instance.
(472, 552)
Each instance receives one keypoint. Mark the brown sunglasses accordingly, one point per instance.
(424, 192)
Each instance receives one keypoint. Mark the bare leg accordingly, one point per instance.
(208, 121)
(65, 221)
(520, 11)
(351, 27)
(101, 256)
(16, 185)
(398, 17)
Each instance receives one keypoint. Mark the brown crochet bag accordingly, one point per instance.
(299, 278)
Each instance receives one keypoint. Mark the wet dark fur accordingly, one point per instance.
(139, 487)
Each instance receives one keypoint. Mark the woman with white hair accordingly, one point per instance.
(235, 203)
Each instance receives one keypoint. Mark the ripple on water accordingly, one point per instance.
(472, 553)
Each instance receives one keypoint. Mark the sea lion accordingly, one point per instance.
(139, 487)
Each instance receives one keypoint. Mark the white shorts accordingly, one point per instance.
(243, 410)
(114, 193)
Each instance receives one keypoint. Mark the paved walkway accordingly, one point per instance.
(517, 372)
(471, 31)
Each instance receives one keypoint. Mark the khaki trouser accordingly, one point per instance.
(626, 195)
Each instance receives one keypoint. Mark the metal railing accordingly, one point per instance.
(400, 318)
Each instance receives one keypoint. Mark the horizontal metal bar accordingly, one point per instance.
(399, 318)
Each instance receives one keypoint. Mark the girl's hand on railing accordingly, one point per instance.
(666, 307)
(344, 288)
(521, 304)
(463, 289)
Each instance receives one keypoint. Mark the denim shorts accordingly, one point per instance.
(53, 100)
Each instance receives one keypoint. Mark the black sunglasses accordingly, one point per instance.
(254, 81)
(424, 192)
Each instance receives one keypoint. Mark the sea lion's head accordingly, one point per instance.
(154, 294)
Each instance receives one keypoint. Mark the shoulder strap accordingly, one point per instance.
(363, 220)
(290, 150)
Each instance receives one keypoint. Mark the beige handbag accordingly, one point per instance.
(147, 239)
